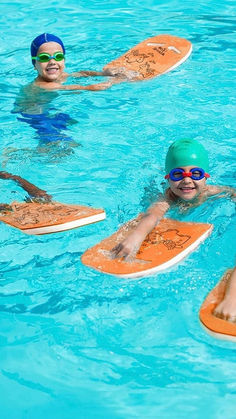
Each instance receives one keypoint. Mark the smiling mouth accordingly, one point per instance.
(49, 69)
(187, 189)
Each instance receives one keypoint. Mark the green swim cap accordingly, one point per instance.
(186, 152)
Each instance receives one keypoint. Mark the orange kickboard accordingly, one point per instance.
(215, 326)
(166, 245)
(43, 218)
(153, 57)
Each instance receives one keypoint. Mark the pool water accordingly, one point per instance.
(75, 343)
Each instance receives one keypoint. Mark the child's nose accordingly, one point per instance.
(52, 61)
(187, 179)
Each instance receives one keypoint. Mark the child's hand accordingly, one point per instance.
(121, 72)
(6, 175)
(41, 198)
(226, 310)
(44, 196)
(100, 86)
(93, 87)
(5, 208)
(128, 248)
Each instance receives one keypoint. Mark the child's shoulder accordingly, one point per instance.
(170, 197)
(45, 84)
(42, 84)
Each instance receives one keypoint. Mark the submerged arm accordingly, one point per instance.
(215, 190)
(92, 87)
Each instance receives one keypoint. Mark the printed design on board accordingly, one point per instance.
(48, 213)
(171, 238)
(161, 50)
(144, 62)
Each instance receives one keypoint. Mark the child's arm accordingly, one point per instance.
(31, 189)
(109, 72)
(216, 189)
(88, 73)
(58, 86)
(93, 87)
(131, 244)
(227, 308)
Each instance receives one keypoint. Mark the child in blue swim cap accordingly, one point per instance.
(48, 59)
(186, 167)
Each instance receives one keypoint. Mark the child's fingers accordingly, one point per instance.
(120, 251)
(5, 175)
(117, 250)
(223, 314)
(5, 207)
(220, 315)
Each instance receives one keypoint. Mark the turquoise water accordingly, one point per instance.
(75, 343)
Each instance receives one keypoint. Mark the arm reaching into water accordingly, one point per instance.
(131, 244)
(226, 190)
(226, 310)
(31, 189)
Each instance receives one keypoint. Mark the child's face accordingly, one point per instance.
(187, 188)
(52, 70)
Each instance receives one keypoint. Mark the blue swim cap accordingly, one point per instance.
(42, 39)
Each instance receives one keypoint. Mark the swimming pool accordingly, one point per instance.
(76, 343)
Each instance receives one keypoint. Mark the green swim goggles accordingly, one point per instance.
(44, 57)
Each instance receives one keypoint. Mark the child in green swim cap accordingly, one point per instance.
(186, 168)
